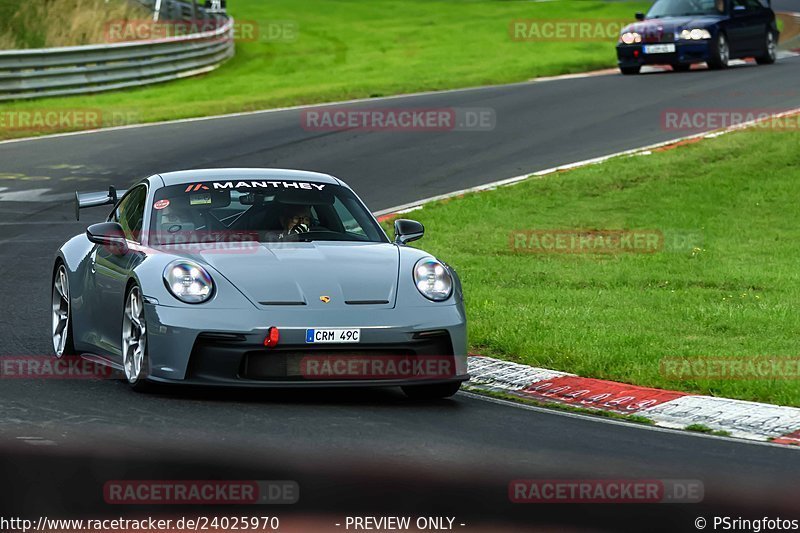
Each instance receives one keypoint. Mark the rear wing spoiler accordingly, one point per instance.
(94, 199)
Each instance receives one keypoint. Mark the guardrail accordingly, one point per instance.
(41, 72)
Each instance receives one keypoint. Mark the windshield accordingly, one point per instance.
(682, 8)
(263, 210)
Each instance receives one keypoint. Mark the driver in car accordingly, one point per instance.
(295, 219)
(177, 217)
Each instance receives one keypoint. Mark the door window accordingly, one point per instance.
(130, 213)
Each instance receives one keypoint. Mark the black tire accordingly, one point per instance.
(770, 50)
(431, 392)
(630, 70)
(681, 67)
(720, 53)
(65, 306)
(135, 330)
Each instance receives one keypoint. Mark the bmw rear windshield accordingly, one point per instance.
(267, 210)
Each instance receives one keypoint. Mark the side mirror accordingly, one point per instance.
(639, 16)
(406, 231)
(739, 10)
(109, 234)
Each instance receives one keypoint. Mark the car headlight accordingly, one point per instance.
(433, 280)
(696, 34)
(188, 281)
(630, 37)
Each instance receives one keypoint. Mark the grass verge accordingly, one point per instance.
(725, 285)
(335, 50)
(700, 428)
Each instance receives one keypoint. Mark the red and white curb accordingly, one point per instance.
(670, 409)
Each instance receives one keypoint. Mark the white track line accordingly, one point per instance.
(603, 420)
(262, 112)
(740, 419)
(580, 75)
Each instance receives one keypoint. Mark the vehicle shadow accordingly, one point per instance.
(700, 67)
(327, 396)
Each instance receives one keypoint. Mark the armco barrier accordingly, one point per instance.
(41, 72)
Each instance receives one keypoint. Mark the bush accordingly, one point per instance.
(47, 23)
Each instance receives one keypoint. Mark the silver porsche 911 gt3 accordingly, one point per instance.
(257, 277)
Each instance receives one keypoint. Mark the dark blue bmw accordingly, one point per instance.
(682, 32)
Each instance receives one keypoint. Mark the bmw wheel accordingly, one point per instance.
(134, 339)
(61, 314)
(720, 53)
(770, 50)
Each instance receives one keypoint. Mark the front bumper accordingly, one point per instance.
(686, 52)
(212, 347)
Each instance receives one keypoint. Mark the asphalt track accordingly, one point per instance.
(538, 125)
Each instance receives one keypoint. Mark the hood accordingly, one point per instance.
(671, 25)
(288, 275)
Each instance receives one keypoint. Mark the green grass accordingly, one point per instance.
(7, 9)
(48, 23)
(355, 49)
(616, 316)
(700, 428)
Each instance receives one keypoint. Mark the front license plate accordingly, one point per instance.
(332, 335)
(659, 48)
